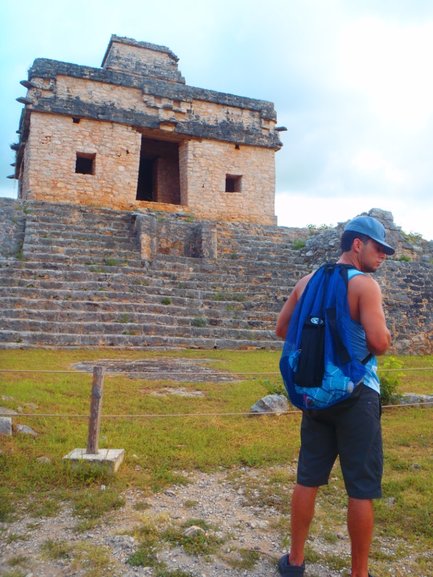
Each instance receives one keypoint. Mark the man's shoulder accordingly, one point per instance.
(302, 283)
(364, 286)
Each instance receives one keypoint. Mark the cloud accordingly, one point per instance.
(350, 80)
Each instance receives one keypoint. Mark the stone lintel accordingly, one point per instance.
(110, 458)
(224, 131)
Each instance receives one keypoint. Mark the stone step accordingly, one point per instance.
(47, 210)
(82, 283)
(184, 273)
(83, 256)
(92, 223)
(215, 288)
(20, 339)
(209, 301)
(68, 238)
(136, 329)
(191, 317)
(16, 306)
(191, 280)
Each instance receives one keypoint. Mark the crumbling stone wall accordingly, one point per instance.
(12, 226)
(175, 236)
(408, 296)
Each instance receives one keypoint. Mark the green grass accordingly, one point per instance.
(159, 446)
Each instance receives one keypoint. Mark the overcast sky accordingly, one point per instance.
(350, 79)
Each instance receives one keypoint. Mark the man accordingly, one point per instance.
(350, 429)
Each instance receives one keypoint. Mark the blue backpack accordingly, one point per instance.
(317, 363)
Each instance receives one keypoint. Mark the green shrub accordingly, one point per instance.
(298, 244)
(390, 380)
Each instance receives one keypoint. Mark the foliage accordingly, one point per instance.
(314, 228)
(109, 261)
(199, 322)
(93, 503)
(274, 386)
(412, 237)
(229, 296)
(198, 543)
(245, 560)
(390, 374)
(56, 549)
(298, 244)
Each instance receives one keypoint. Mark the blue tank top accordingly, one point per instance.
(359, 346)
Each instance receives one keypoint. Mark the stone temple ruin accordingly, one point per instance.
(132, 134)
(145, 217)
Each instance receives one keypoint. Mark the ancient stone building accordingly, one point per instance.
(132, 135)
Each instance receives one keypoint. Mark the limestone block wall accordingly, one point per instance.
(175, 236)
(51, 154)
(200, 138)
(141, 57)
(204, 167)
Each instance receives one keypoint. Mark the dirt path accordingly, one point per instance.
(219, 501)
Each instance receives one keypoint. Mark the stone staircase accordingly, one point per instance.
(79, 281)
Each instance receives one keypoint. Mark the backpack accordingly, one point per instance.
(317, 363)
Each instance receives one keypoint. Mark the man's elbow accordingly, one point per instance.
(280, 332)
(380, 344)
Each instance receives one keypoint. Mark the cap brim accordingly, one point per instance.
(386, 248)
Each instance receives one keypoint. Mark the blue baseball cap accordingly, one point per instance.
(372, 228)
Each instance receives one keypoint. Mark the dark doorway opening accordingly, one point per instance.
(146, 178)
(158, 173)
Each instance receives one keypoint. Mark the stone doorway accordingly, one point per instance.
(158, 177)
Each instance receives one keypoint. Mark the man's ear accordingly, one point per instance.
(357, 245)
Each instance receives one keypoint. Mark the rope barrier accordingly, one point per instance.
(186, 373)
(192, 415)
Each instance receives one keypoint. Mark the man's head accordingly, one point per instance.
(365, 227)
(365, 236)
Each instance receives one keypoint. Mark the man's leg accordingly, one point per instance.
(360, 522)
(302, 513)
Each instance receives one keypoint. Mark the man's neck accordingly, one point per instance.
(349, 258)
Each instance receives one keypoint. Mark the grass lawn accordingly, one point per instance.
(214, 433)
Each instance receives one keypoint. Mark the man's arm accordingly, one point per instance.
(289, 306)
(371, 316)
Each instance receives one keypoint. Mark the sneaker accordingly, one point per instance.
(287, 570)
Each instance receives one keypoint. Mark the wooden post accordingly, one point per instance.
(95, 410)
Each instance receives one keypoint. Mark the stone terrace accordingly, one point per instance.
(74, 276)
(79, 281)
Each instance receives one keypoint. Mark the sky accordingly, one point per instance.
(351, 81)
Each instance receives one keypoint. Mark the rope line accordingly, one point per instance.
(177, 373)
(192, 415)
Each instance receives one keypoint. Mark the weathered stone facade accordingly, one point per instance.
(132, 135)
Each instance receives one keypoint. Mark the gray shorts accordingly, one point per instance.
(352, 431)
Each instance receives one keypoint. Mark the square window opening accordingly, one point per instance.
(85, 163)
(233, 183)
